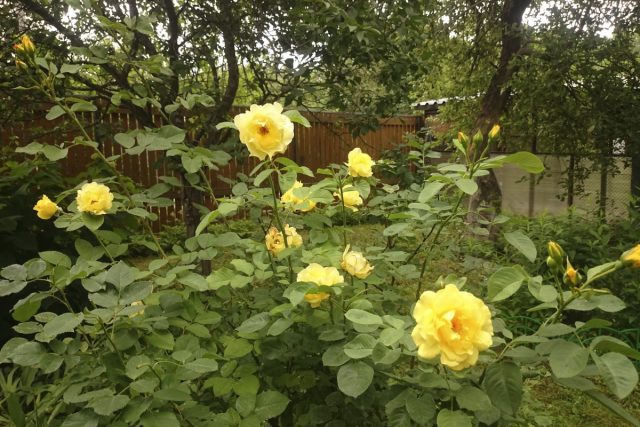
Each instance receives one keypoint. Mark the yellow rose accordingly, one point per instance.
(94, 198)
(321, 276)
(631, 257)
(264, 130)
(355, 264)
(295, 202)
(360, 163)
(556, 252)
(45, 208)
(275, 243)
(453, 324)
(351, 198)
(315, 300)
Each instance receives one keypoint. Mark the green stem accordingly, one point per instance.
(276, 213)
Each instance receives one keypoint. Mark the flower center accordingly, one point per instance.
(456, 325)
(263, 130)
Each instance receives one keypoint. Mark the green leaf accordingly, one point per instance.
(162, 340)
(270, 404)
(124, 139)
(334, 356)
(523, 244)
(226, 125)
(504, 283)
(120, 275)
(262, 176)
(568, 359)
(92, 222)
(160, 419)
(84, 418)
(83, 106)
(64, 323)
(362, 317)
(206, 220)
(606, 343)
(8, 288)
(429, 191)
(56, 258)
(279, 326)
(618, 372)
(448, 418)
(601, 270)
(421, 409)
(554, 330)
(296, 117)
(467, 185)
(613, 407)
(109, 404)
(354, 378)
(254, 323)
(473, 399)
(55, 112)
(526, 161)
(359, 347)
(249, 384)
(503, 383)
(202, 365)
(194, 281)
(237, 348)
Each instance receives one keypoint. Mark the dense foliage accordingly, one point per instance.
(301, 328)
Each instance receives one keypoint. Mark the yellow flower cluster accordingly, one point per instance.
(453, 324)
(275, 242)
(264, 130)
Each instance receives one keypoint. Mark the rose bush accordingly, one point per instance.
(276, 334)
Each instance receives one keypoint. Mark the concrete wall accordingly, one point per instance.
(549, 194)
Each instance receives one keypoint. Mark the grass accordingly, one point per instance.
(545, 403)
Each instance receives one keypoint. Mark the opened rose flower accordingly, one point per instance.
(275, 242)
(296, 203)
(351, 197)
(45, 208)
(321, 276)
(359, 163)
(94, 198)
(452, 324)
(355, 264)
(265, 130)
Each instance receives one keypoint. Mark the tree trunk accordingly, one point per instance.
(494, 101)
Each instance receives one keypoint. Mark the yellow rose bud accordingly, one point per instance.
(359, 163)
(275, 243)
(265, 130)
(464, 139)
(351, 198)
(631, 257)
(453, 324)
(355, 264)
(21, 65)
(315, 300)
(494, 132)
(477, 138)
(551, 263)
(45, 208)
(296, 203)
(321, 276)
(556, 252)
(94, 198)
(571, 275)
(28, 45)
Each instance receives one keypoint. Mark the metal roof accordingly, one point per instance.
(431, 104)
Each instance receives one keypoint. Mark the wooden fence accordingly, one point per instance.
(328, 140)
